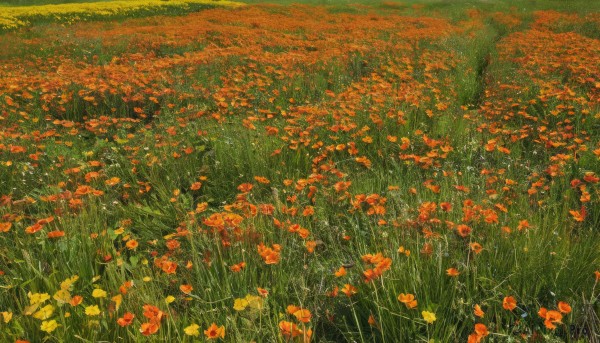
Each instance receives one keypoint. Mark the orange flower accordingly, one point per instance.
(452, 272)
(310, 246)
(292, 308)
(408, 300)
(5, 227)
(476, 248)
(551, 317)
(131, 244)
(481, 330)
(563, 307)
(245, 187)
(478, 311)
(340, 272)
(463, 230)
(76, 300)
(473, 338)
(262, 292)
(509, 303)
(149, 328)
(269, 255)
(238, 267)
(153, 313)
(289, 329)
(187, 289)
(349, 290)
(55, 234)
(127, 319)
(214, 331)
(372, 321)
(302, 315)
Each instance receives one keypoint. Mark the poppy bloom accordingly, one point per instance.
(149, 328)
(55, 234)
(349, 290)
(463, 230)
(340, 272)
(478, 311)
(215, 332)
(408, 300)
(452, 272)
(509, 303)
(302, 315)
(131, 244)
(289, 329)
(481, 330)
(187, 289)
(126, 320)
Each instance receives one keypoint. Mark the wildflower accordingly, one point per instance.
(452, 272)
(214, 331)
(429, 316)
(6, 316)
(481, 330)
(76, 300)
(117, 299)
(289, 329)
(563, 307)
(44, 313)
(126, 320)
(240, 304)
(349, 290)
(509, 303)
(92, 310)
(302, 315)
(187, 289)
(169, 299)
(131, 244)
(49, 326)
(192, 330)
(149, 328)
(98, 293)
(478, 311)
(408, 300)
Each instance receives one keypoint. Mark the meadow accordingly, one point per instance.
(333, 171)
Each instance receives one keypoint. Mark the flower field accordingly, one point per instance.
(13, 17)
(380, 172)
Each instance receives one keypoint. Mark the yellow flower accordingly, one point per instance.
(429, 316)
(49, 326)
(92, 310)
(44, 313)
(147, 278)
(6, 316)
(255, 302)
(240, 304)
(118, 299)
(37, 298)
(169, 299)
(62, 296)
(99, 293)
(192, 330)
(68, 283)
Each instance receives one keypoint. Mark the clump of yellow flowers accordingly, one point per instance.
(19, 16)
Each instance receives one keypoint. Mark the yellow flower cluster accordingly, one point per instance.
(18, 16)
